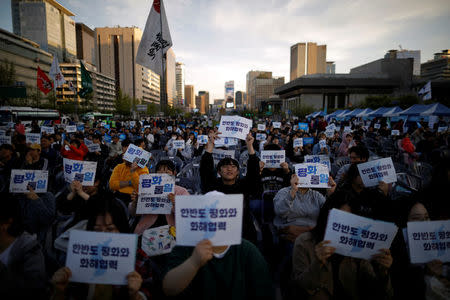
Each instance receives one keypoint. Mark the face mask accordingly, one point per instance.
(174, 138)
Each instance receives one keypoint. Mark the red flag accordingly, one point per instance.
(43, 82)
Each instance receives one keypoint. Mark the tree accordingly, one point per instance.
(302, 110)
(122, 104)
(152, 109)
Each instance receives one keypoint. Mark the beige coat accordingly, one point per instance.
(358, 277)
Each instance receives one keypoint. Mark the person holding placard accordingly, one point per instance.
(217, 272)
(319, 273)
(358, 154)
(33, 159)
(346, 144)
(152, 220)
(321, 147)
(73, 150)
(106, 216)
(229, 182)
(22, 263)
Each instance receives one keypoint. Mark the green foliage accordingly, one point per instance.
(375, 102)
(303, 110)
(122, 104)
(172, 111)
(152, 109)
(7, 73)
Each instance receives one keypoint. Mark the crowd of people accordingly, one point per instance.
(283, 252)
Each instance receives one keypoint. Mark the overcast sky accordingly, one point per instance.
(220, 40)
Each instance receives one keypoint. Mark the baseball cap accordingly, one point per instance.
(35, 146)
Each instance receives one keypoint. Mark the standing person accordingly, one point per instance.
(73, 150)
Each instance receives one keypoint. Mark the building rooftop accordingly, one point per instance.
(61, 8)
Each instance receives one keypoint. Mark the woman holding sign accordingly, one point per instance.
(319, 273)
(107, 216)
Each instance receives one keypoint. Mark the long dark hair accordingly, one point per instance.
(103, 204)
(336, 200)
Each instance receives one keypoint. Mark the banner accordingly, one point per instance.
(94, 147)
(428, 241)
(261, 136)
(137, 155)
(218, 154)
(47, 129)
(312, 175)
(178, 144)
(225, 142)
(235, 126)
(329, 133)
(83, 171)
(308, 140)
(319, 159)
(331, 127)
(276, 124)
(21, 179)
(153, 194)
(298, 142)
(71, 128)
(442, 129)
(33, 138)
(395, 132)
(303, 126)
(101, 257)
(374, 171)
(273, 159)
(202, 139)
(217, 218)
(157, 241)
(261, 127)
(356, 236)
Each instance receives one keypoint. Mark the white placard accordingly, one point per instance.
(320, 159)
(71, 128)
(94, 147)
(235, 126)
(20, 179)
(312, 175)
(169, 128)
(298, 142)
(442, 129)
(218, 154)
(83, 171)
(217, 218)
(47, 129)
(331, 127)
(225, 141)
(428, 241)
(202, 139)
(395, 132)
(88, 142)
(2, 133)
(5, 139)
(329, 133)
(276, 124)
(261, 136)
(132, 124)
(374, 171)
(178, 144)
(356, 236)
(261, 127)
(295, 127)
(322, 144)
(101, 257)
(157, 241)
(273, 158)
(33, 138)
(348, 129)
(377, 126)
(137, 155)
(153, 193)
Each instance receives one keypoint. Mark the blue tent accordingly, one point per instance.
(333, 114)
(436, 109)
(342, 113)
(393, 112)
(353, 113)
(364, 112)
(315, 114)
(414, 110)
(379, 112)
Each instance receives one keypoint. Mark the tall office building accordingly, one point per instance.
(171, 78)
(308, 58)
(437, 68)
(229, 94)
(264, 88)
(331, 67)
(47, 23)
(116, 50)
(179, 71)
(240, 98)
(85, 43)
(190, 96)
(250, 101)
(202, 102)
(415, 54)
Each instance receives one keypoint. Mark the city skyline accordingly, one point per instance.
(223, 40)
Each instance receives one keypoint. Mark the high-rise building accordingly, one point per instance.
(85, 43)
(331, 67)
(308, 58)
(415, 54)
(219, 102)
(47, 23)
(203, 102)
(240, 98)
(251, 75)
(264, 88)
(116, 50)
(171, 78)
(229, 94)
(190, 96)
(438, 68)
(180, 84)
(104, 89)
